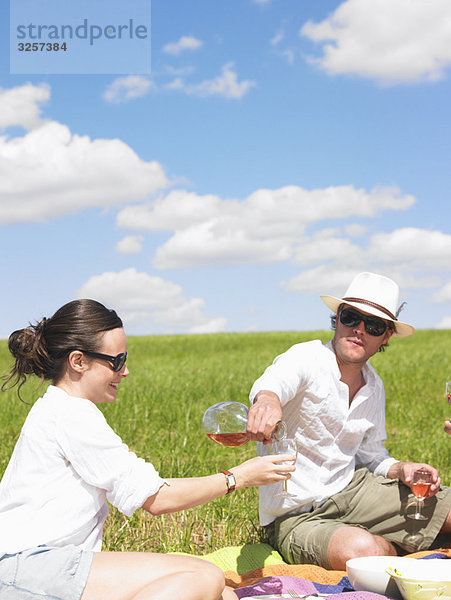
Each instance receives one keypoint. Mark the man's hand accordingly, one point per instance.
(447, 427)
(263, 416)
(404, 471)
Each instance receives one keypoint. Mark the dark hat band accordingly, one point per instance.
(374, 305)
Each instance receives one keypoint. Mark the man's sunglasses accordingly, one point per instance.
(350, 317)
(117, 361)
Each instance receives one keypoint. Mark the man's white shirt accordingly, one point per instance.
(333, 436)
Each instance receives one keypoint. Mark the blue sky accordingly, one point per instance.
(277, 149)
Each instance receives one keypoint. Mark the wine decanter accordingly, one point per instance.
(225, 423)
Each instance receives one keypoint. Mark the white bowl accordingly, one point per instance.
(426, 580)
(369, 574)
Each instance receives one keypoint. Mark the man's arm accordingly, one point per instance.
(447, 427)
(404, 471)
(263, 415)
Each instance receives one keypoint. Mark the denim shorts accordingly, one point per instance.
(45, 573)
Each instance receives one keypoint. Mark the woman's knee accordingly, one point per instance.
(210, 577)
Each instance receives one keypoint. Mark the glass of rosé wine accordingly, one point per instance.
(225, 423)
(285, 446)
(420, 484)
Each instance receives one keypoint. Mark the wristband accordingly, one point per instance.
(230, 479)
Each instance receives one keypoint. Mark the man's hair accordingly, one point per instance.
(333, 325)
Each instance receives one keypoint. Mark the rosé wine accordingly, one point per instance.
(420, 489)
(229, 439)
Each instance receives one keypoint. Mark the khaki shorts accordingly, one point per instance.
(372, 502)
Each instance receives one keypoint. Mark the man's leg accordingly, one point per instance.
(369, 517)
(446, 528)
(349, 542)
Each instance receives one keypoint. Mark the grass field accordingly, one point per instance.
(174, 379)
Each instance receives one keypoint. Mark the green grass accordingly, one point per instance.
(174, 379)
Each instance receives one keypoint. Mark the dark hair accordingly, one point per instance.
(42, 349)
(333, 325)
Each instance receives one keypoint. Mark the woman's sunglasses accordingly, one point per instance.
(117, 361)
(350, 317)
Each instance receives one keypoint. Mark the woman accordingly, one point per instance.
(68, 462)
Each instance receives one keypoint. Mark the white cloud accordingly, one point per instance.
(442, 295)
(355, 230)
(334, 277)
(67, 173)
(226, 85)
(128, 88)
(445, 323)
(144, 301)
(288, 55)
(206, 244)
(264, 228)
(212, 326)
(179, 71)
(130, 244)
(402, 255)
(322, 249)
(184, 43)
(324, 279)
(175, 85)
(390, 41)
(177, 210)
(20, 106)
(410, 245)
(275, 41)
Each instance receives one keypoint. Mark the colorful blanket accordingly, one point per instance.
(257, 570)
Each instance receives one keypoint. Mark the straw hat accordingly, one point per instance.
(373, 294)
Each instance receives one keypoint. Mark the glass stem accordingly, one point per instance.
(419, 506)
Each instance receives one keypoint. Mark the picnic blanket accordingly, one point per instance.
(258, 569)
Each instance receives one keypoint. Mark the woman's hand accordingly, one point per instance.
(179, 494)
(264, 470)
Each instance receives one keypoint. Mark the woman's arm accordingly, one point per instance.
(179, 494)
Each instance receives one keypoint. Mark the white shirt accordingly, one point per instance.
(66, 464)
(332, 435)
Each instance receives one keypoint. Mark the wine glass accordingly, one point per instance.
(225, 423)
(420, 484)
(285, 446)
(412, 540)
(448, 391)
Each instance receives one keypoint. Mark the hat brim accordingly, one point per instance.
(401, 329)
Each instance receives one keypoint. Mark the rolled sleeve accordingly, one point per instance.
(133, 489)
(383, 467)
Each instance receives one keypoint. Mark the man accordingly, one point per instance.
(351, 496)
